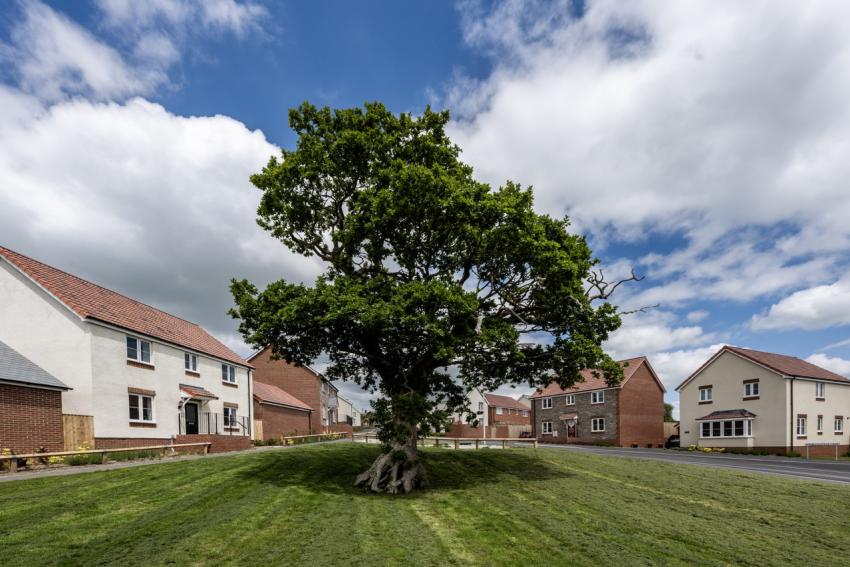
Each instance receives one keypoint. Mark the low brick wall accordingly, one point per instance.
(125, 442)
(30, 418)
(466, 430)
(341, 428)
(220, 443)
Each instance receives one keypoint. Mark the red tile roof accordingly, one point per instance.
(780, 363)
(197, 392)
(591, 382)
(498, 401)
(91, 301)
(728, 414)
(274, 395)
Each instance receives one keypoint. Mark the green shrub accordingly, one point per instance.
(132, 455)
(792, 454)
(87, 459)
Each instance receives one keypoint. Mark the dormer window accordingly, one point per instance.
(138, 350)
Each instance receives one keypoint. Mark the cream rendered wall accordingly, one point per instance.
(726, 375)
(112, 376)
(837, 402)
(45, 331)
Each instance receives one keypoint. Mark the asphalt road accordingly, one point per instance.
(800, 468)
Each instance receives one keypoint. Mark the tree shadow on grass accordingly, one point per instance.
(333, 468)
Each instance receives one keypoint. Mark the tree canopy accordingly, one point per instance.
(427, 269)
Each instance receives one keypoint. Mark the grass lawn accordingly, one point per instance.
(490, 507)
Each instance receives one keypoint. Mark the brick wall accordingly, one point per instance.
(466, 430)
(279, 421)
(298, 381)
(508, 417)
(124, 442)
(641, 411)
(30, 418)
(585, 411)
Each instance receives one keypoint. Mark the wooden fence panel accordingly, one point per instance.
(258, 429)
(78, 430)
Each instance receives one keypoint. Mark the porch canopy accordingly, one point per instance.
(196, 393)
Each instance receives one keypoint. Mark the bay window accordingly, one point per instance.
(726, 428)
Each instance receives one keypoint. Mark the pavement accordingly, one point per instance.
(799, 468)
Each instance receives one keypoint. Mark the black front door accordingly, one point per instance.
(191, 419)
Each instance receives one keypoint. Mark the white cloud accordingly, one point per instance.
(652, 332)
(697, 316)
(674, 366)
(834, 363)
(817, 307)
(151, 204)
(723, 123)
(52, 56)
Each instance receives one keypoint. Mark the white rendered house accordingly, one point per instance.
(140, 374)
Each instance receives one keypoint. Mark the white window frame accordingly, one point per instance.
(751, 389)
(546, 425)
(820, 390)
(570, 399)
(498, 411)
(597, 397)
(480, 407)
(706, 394)
(525, 413)
(546, 403)
(141, 408)
(802, 426)
(190, 361)
(746, 428)
(595, 425)
(230, 416)
(138, 349)
(838, 424)
(228, 373)
(820, 424)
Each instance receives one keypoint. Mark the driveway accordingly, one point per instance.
(815, 469)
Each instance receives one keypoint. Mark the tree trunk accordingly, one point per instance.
(397, 471)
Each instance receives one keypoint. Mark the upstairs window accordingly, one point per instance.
(480, 407)
(138, 350)
(525, 413)
(820, 391)
(546, 403)
(571, 399)
(751, 390)
(191, 362)
(705, 393)
(597, 397)
(228, 373)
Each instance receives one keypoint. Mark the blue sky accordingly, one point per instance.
(701, 145)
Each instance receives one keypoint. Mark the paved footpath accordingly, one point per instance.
(799, 468)
(65, 471)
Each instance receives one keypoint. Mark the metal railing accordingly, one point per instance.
(210, 423)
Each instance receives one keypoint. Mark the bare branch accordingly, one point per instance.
(600, 289)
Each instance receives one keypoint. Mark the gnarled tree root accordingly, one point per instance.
(397, 472)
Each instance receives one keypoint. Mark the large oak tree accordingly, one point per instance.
(426, 269)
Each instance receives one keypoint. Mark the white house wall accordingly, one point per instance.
(113, 376)
(40, 328)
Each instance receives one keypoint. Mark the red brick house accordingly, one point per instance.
(630, 414)
(505, 410)
(30, 405)
(280, 413)
(301, 382)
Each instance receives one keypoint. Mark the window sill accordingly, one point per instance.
(193, 374)
(704, 403)
(802, 437)
(746, 398)
(229, 384)
(820, 399)
(137, 364)
(142, 424)
(820, 432)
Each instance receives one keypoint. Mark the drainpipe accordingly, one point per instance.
(250, 407)
(793, 417)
